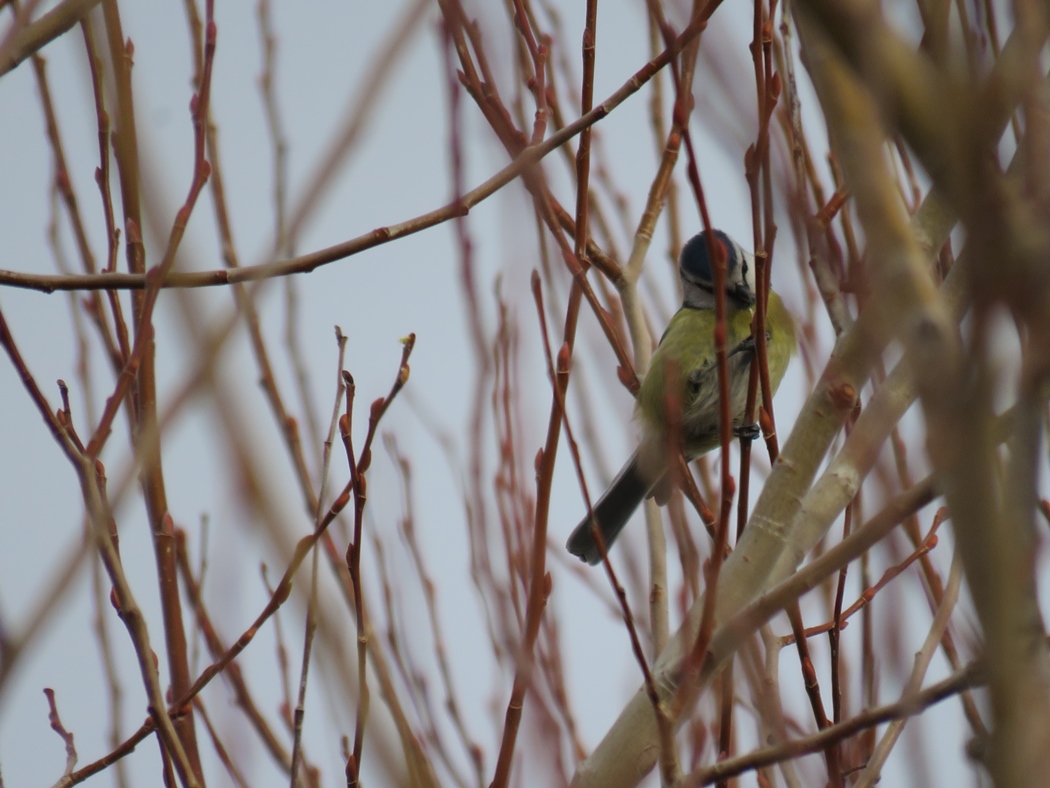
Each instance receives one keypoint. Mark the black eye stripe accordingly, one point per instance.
(695, 263)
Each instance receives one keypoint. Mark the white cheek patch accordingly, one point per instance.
(749, 270)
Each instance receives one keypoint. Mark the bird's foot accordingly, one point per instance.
(747, 432)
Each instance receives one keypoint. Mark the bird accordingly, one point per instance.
(684, 370)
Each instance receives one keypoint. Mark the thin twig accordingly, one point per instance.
(969, 677)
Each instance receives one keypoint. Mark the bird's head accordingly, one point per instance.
(696, 268)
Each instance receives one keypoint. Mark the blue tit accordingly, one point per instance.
(683, 370)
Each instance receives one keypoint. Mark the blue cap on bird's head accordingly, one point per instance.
(696, 269)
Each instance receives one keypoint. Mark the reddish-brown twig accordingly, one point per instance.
(583, 153)
(359, 465)
(91, 476)
(452, 704)
(102, 179)
(523, 160)
(809, 680)
(621, 596)
(242, 695)
(60, 729)
(870, 593)
(220, 748)
(64, 186)
(539, 578)
(969, 677)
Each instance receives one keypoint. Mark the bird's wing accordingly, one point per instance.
(703, 381)
(684, 366)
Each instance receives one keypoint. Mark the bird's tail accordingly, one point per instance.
(611, 513)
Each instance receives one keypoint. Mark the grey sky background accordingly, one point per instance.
(399, 169)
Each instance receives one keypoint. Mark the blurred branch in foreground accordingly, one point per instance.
(891, 166)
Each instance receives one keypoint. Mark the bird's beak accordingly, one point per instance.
(743, 294)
